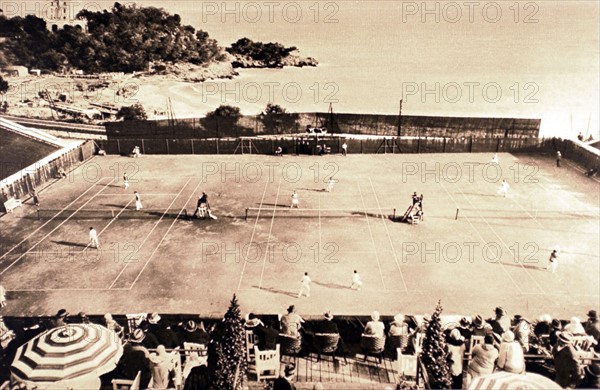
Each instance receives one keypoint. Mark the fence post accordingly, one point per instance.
(192, 146)
(118, 146)
(167, 143)
(444, 147)
(471, 144)
(419, 144)
(143, 147)
(497, 145)
(361, 146)
(217, 144)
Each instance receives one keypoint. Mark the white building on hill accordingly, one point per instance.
(61, 13)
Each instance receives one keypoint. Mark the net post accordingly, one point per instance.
(394, 217)
(456, 217)
(38, 213)
(246, 216)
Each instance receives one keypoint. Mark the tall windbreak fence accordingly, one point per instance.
(296, 123)
(305, 145)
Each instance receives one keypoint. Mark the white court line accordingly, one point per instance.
(593, 223)
(389, 236)
(253, 232)
(53, 230)
(165, 235)
(145, 194)
(262, 272)
(481, 237)
(153, 227)
(372, 239)
(66, 289)
(507, 247)
(50, 220)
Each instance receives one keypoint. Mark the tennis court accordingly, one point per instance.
(475, 249)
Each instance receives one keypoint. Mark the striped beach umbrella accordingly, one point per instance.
(67, 353)
(508, 381)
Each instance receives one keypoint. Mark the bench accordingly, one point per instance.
(12, 204)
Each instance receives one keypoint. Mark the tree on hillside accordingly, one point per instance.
(226, 111)
(270, 54)
(230, 371)
(435, 353)
(133, 112)
(275, 119)
(3, 86)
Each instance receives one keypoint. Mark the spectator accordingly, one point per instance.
(198, 378)
(574, 327)
(556, 328)
(465, 328)
(566, 362)
(592, 376)
(191, 332)
(6, 335)
(592, 326)
(192, 361)
(285, 382)
(501, 322)
(253, 321)
(327, 326)
(82, 318)
(111, 324)
(163, 333)
(521, 328)
(278, 151)
(510, 356)
(267, 337)
(2, 297)
(133, 361)
(59, 319)
(375, 327)
(543, 326)
(161, 364)
(144, 338)
(398, 327)
(483, 358)
(481, 328)
(291, 322)
(456, 350)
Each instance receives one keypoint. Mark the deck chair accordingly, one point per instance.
(327, 344)
(125, 384)
(373, 346)
(267, 363)
(251, 341)
(475, 340)
(198, 348)
(134, 321)
(407, 364)
(584, 343)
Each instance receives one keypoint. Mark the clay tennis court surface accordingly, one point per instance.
(155, 259)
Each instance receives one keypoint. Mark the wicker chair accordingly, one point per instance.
(326, 344)
(396, 342)
(373, 346)
(289, 345)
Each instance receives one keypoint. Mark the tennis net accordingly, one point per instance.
(286, 212)
(108, 213)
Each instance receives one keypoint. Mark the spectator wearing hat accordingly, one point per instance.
(398, 327)
(144, 338)
(285, 382)
(483, 358)
(566, 362)
(574, 327)
(592, 326)
(543, 327)
(133, 361)
(163, 333)
(480, 328)
(501, 323)
(555, 329)
(113, 325)
(521, 329)
(253, 321)
(291, 322)
(191, 332)
(267, 336)
(82, 318)
(456, 351)
(327, 326)
(375, 327)
(6, 335)
(591, 379)
(464, 327)
(161, 363)
(510, 356)
(59, 319)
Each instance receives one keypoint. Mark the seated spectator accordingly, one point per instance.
(197, 379)
(59, 319)
(253, 321)
(591, 379)
(144, 338)
(113, 325)
(483, 358)
(278, 151)
(456, 350)
(566, 362)
(327, 326)
(501, 323)
(520, 330)
(82, 318)
(162, 331)
(592, 326)
(192, 361)
(543, 326)
(481, 328)
(191, 332)
(6, 335)
(285, 382)
(398, 327)
(375, 327)
(61, 173)
(267, 337)
(133, 361)
(510, 356)
(291, 322)
(574, 327)
(161, 363)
